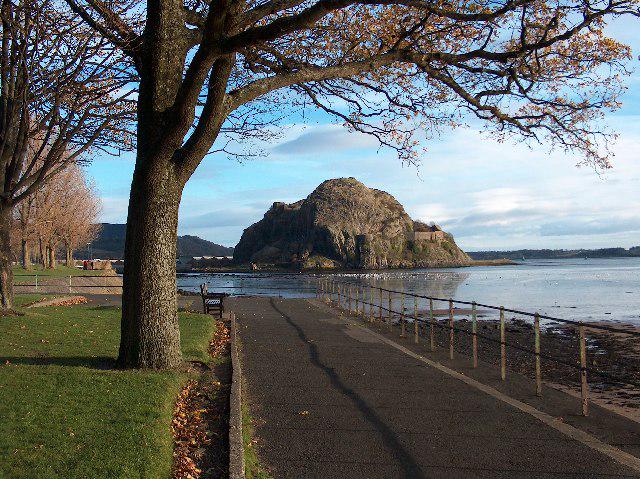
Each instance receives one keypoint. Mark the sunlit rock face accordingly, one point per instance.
(344, 224)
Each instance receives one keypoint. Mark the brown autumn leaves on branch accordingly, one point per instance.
(395, 69)
(56, 219)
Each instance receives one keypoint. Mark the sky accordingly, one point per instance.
(489, 195)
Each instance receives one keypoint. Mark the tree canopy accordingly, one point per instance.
(214, 72)
(390, 68)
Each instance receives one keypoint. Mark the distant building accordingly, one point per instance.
(200, 258)
(424, 232)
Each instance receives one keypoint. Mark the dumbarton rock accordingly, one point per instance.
(344, 224)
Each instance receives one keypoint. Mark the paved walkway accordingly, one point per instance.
(332, 400)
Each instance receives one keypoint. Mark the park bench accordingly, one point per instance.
(212, 303)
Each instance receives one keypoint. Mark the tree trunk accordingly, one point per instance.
(6, 273)
(150, 336)
(42, 259)
(69, 260)
(51, 256)
(26, 260)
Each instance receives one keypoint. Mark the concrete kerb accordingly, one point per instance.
(236, 444)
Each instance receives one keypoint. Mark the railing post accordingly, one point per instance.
(432, 326)
(339, 299)
(450, 328)
(415, 320)
(402, 318)
(390, 317)
(474, 319)
(317, 290)
(364, 303)
(69, 284)
(380, 307)
(584, 386)
(357, 299)
(349, 293)
(536, 328)
(371, 313)
(36, 282)
(503, 346)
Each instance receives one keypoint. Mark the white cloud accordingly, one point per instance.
(114, 209)
(325, 138)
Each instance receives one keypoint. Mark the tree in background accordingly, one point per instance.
(78, 224)
(62, 94)
(215, 71)
(25, 230)
(62, 212)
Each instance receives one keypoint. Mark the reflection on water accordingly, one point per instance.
(590, 290)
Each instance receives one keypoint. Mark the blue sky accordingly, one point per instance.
(490, 195)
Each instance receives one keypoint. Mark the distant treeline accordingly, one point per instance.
(557, 253)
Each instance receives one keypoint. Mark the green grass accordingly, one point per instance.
(66, 413)
(22, 275)
(253, 468)
(20, 300)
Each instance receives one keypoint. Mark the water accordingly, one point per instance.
(576, 289)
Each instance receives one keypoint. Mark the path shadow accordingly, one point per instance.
(411, 468)
(102, 363)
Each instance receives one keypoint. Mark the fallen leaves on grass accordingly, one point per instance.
(72, 301)
(220, 340)
(197, 421)
(64, 301)
(189, 432)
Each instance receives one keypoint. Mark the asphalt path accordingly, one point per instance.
(329, 399)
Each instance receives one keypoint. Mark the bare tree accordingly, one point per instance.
(63, 92)
(214, 71)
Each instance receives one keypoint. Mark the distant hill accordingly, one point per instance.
(110, 245)
(194, 246)
(557, 253)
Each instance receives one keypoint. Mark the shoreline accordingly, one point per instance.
(282, 269)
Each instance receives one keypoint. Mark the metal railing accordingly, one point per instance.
(352, 297)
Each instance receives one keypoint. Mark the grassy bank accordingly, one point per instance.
(254, 469)
(67, 413)
(26, 275)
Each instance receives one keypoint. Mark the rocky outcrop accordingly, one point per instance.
(344, 224)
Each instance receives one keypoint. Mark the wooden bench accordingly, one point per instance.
(212, 303)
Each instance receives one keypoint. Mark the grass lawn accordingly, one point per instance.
(66, 413)
(25, 275)
(253, 468)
